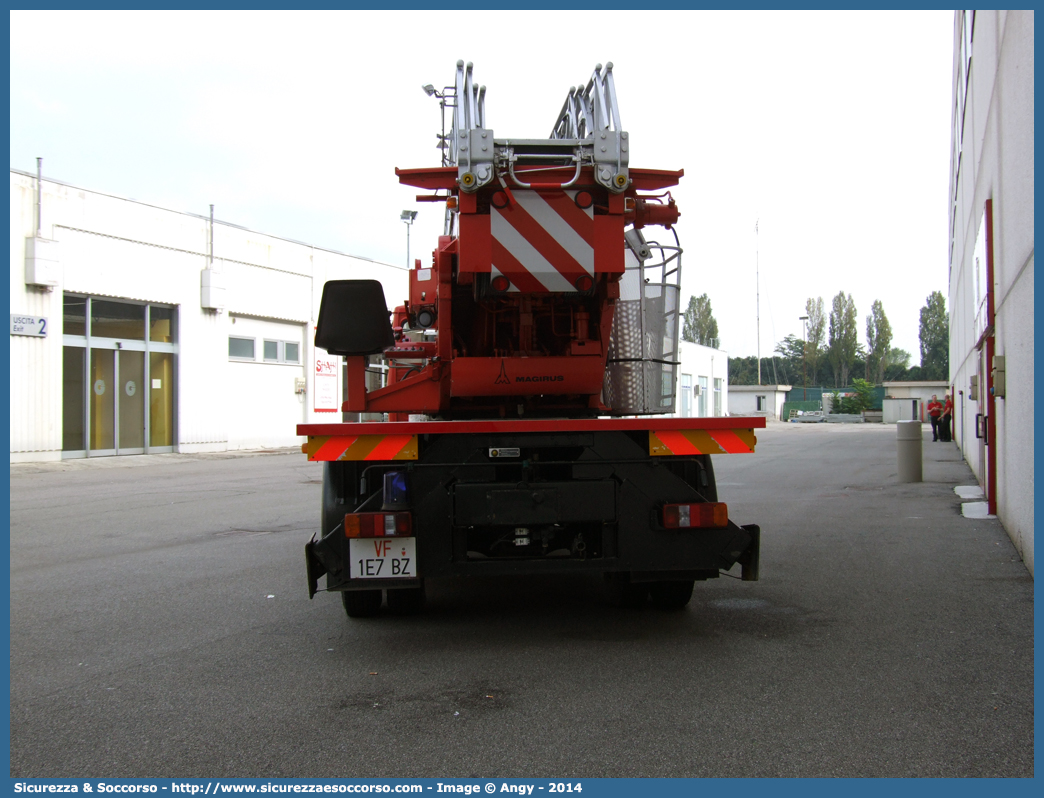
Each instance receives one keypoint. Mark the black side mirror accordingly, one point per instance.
(353, 318)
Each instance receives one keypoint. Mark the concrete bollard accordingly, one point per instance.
(908, 446)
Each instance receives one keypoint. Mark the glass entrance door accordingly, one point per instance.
(102, 437)
(117, 402)
(118, 377)
(130, 402)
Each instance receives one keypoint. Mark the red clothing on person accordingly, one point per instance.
(935, 408)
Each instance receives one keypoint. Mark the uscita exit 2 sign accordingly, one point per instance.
(29, 325)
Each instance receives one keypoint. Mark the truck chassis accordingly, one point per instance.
(524, 497)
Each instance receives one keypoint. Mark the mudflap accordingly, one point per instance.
(313, 567)
(750, 560)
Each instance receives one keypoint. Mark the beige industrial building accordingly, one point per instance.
(991, 260)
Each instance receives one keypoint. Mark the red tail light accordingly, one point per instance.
(701, 514)
(377, 525)
(501, 283)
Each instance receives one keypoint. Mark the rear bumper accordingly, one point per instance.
(536, 502)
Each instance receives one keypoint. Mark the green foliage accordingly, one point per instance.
(789, 362)
(843, 345)
(878, 342)
(935, 338)
(698, 323)
(815, 328)
(897, 365)
(744, 370)
(862, 399)
(864, 395)
(879, 361)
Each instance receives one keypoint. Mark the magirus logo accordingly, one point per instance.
(503, 379)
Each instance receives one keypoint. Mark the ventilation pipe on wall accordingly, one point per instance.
(41, 254)
(211, 286)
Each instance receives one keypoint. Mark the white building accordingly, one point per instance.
(703, 381)
(136, 329)
(991, 260)
(758, 400)
(908, 401)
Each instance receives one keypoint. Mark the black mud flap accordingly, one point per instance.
(324, 557)
(742, 547)
(313, 567)
(750, 560)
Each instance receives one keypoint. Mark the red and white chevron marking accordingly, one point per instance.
(542, 241)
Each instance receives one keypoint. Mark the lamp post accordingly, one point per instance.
(804, 354)
(408, 217)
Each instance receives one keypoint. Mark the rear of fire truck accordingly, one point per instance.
(530, 382)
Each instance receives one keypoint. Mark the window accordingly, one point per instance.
(161, 324)
(762, 403)
(717, 396)
(282, 352)
(702, 411)
(686, 394)
(117, 320)
(74, 315)
(241, 348)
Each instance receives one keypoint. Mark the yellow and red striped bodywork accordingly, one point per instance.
(398, 440)
(701, 441)
(361, 447)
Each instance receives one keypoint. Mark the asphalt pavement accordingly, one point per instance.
(160, 626)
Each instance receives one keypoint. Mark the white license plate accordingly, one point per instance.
(383, 558)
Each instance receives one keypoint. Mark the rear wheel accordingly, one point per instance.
(671, 595)
(406, 601)
(622, 592)
(361, 603)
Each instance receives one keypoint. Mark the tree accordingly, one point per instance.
(744, 370)
(843, 345)
(878, 342)
(700, 326)
(861, 399)
(790, 356)
(815, 327)
(935, 338)
(897, 365)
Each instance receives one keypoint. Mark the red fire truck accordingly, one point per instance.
(531, 378)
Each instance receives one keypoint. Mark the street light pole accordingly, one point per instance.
(408, 217)
(804, 358)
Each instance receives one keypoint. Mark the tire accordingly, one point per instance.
(623, 593)
(333, 509)
(671, 595)
(406, 601)
(361, 603)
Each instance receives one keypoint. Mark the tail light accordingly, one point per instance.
(501, 283)
(700, 514)
(378, 525)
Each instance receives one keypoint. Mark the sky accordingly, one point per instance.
(829, 131)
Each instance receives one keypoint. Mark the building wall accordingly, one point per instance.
(701, 361)
(109, 247)
(921, 391)
(743, 400)
(992, 159)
